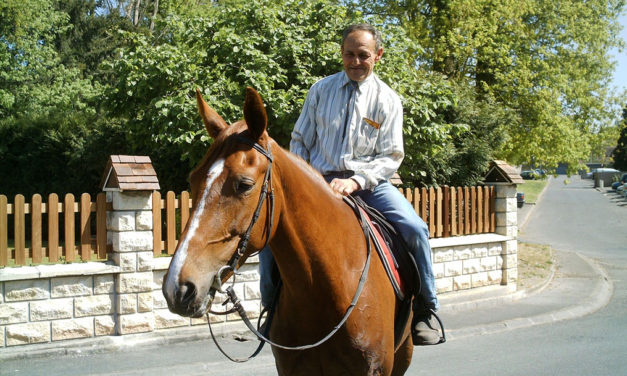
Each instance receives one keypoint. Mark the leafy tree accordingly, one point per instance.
(51, 134)
(620, 152)
(33, 82)
(91, 35)
(545, 62)
(276, 47)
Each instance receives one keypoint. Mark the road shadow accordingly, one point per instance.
(615, 198)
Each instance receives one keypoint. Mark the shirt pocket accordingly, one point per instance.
(367, 136)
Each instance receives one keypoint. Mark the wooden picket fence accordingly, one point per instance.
(165, 234)
(454, 211)
(71, 245)
(448, 211)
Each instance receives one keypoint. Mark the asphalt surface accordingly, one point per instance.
(492, 321)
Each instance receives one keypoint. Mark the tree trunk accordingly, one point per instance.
(129, 10)
(154, 14)
(136, 16)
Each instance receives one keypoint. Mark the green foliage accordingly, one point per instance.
(275, 47)
(620, 152)
(50, 129)
(55, 157)
(545, 63)
(34, 84)
(479, 79)
(90, 38)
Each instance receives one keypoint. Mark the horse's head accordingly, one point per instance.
(226, 189)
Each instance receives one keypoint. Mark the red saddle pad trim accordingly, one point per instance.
(387, 253)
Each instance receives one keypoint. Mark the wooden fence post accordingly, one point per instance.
(446, 211)
(53, 227)
(68, 215)
(19, 213)
(35, 216)
(4, 238)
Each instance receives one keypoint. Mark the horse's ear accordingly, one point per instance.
(255, 114)
(213, 122)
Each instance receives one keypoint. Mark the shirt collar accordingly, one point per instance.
(346, 80)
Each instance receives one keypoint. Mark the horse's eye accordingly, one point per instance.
(243, 185)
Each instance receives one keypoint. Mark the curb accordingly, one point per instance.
(522, 225)
(107, 344)
(599, 298)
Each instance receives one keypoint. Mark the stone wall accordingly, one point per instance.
(57, 302)
(49, 303)
(474, 261)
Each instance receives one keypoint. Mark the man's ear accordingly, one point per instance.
(378, 55)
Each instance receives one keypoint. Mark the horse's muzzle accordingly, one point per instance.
(186, 302)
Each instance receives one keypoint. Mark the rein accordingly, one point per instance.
(266, 191)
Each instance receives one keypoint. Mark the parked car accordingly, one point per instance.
(590, 174)
(537, 173)
(527, 175)
(520, 199)
(622, 181)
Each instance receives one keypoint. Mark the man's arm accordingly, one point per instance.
(304, 133)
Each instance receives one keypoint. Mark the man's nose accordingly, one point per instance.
(356, 60)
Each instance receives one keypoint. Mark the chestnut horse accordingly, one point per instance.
(317, 242)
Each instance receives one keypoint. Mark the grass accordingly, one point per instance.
(534, 264)
(532, 189)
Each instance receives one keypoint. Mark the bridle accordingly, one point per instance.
(266, 192)
(231, 266)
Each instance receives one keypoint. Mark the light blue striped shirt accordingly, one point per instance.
(373, 147)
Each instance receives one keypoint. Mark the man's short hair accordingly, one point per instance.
(364, 27)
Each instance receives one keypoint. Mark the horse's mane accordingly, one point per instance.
(309, 171)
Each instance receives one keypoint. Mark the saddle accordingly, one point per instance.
(398, 262)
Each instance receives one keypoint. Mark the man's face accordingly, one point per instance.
(359, 55)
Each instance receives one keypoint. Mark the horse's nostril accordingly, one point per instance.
(186, 294)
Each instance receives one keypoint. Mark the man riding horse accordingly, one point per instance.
(350, 130)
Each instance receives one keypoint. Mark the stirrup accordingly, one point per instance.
(442, 337)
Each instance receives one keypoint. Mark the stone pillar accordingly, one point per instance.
(506, 213)
(506, 210)
(129, 231)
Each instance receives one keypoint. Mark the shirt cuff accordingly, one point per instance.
(360, 180)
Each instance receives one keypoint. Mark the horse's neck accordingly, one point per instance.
(317, 237)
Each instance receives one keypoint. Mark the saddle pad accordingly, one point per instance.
(387, 258)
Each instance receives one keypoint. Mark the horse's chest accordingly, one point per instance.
(345, 359)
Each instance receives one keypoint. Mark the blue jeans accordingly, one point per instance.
(395, 207)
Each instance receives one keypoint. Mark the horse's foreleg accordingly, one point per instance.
(402, 357)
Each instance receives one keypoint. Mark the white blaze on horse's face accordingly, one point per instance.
(179, 258)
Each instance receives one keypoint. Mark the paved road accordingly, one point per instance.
(571, 218)
(576, 219)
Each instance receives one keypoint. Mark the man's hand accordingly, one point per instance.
(344, 186)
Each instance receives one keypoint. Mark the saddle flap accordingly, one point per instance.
(399, 264)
